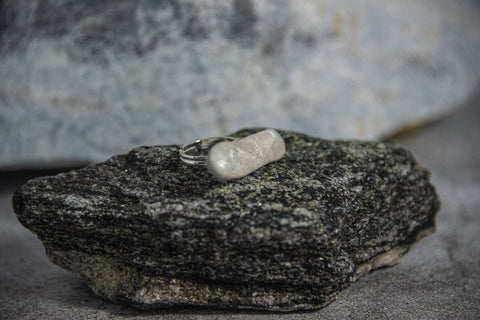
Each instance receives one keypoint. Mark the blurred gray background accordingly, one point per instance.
(83, 80)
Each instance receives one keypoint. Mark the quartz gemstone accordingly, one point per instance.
(233, 160)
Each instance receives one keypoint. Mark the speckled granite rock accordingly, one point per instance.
(84, 80)
(148, 230)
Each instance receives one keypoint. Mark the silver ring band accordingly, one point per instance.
(196, 153)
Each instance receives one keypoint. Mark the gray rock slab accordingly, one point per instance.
(148, 230)
(85, 80)
(438, 278)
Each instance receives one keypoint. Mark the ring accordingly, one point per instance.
(230, 158)
(196, 153)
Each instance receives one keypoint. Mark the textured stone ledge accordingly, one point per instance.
(148, 230)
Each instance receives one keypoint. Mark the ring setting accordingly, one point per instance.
(229, 158)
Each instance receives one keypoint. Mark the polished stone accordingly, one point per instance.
(236, 159)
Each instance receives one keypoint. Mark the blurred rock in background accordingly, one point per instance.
(82, 80)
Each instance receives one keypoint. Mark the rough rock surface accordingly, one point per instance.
(146, 229)
(83, 80)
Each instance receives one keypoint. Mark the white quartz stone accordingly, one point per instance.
(233, 160)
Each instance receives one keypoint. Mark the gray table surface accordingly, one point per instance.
(438, 279)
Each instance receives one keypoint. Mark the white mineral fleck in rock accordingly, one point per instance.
(233, 160)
